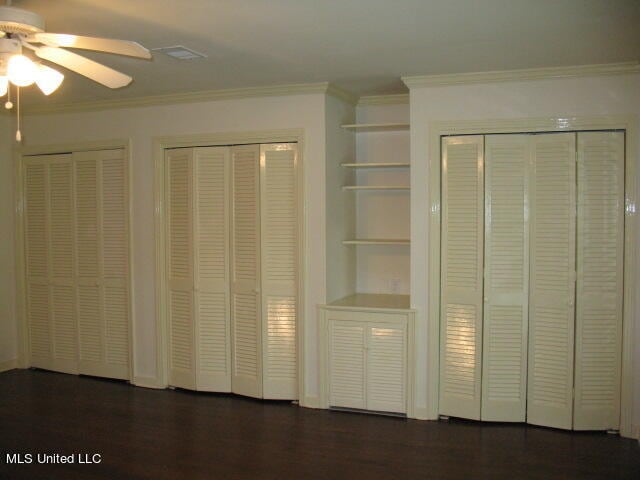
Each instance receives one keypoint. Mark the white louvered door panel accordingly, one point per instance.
(279, 227)
(386, 369)
(61, 278)
(552, 281)
(114, 219)
(600, 245)
(37, 261)
(506, 287)
(212, 324)
(462, 272)
(246, 319)
(347, 364)
(91, 332)
(180, 277)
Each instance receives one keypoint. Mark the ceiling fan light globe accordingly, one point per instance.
(48, 79)
(4, 85)
(21, 71)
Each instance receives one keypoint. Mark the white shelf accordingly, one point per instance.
(372, 127)
(374, 187)
(374, 300)
(376, 241)
(377, 165)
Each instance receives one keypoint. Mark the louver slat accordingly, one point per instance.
(245, 272)
(504, 368)
(599, 282)
(552, 250)
(279, 266)
(462, 249)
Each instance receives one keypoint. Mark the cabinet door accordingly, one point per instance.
(37, 261)
(599, 282)
(552, 292)
(212, 324)
(462, 273)
(506, 287)
(61, 248)
(386, 368)
(246, 318)
(347, 364)
(279, 238)
(102, 262)
(179, 253)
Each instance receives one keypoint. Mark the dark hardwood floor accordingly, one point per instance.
(164, 434)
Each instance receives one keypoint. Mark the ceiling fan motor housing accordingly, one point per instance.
(17, 20)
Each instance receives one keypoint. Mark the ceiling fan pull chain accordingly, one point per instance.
(18, 132)
(8, 105)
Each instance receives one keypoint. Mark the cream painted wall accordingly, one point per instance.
(606, 95)
(383, 214)
(8, 327)
(141, 125)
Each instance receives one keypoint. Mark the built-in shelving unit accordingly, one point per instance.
(376, 165)
(376, 241)
(373, 228)
(364, 127)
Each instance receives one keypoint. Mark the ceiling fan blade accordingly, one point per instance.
(77, 63)
(120, 47)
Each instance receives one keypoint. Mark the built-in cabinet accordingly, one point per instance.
(232, 269)
(531, 265)
(366, 338)
(76, 246)
(365, 351)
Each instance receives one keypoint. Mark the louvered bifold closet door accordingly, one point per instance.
(212, 308)
(552, 281)
(461, 271)
(61, 279)
(37, 253)
(279, 227)
(506, 287)
(102, 262)
(179, 262)
(599, 281)
(246, 320)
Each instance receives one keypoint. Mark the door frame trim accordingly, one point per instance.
(24, 351)
(438, 129)
(159, 145)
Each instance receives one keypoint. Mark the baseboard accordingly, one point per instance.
(310, 402)
(421, 413)
(148, 382)
(635, 432)
(8, 365)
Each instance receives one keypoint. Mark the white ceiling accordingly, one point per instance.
(363, 46)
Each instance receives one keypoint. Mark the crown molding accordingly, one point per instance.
(195, 97)
(394, 99)
(521, 75)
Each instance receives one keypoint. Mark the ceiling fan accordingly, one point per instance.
(23, 31)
